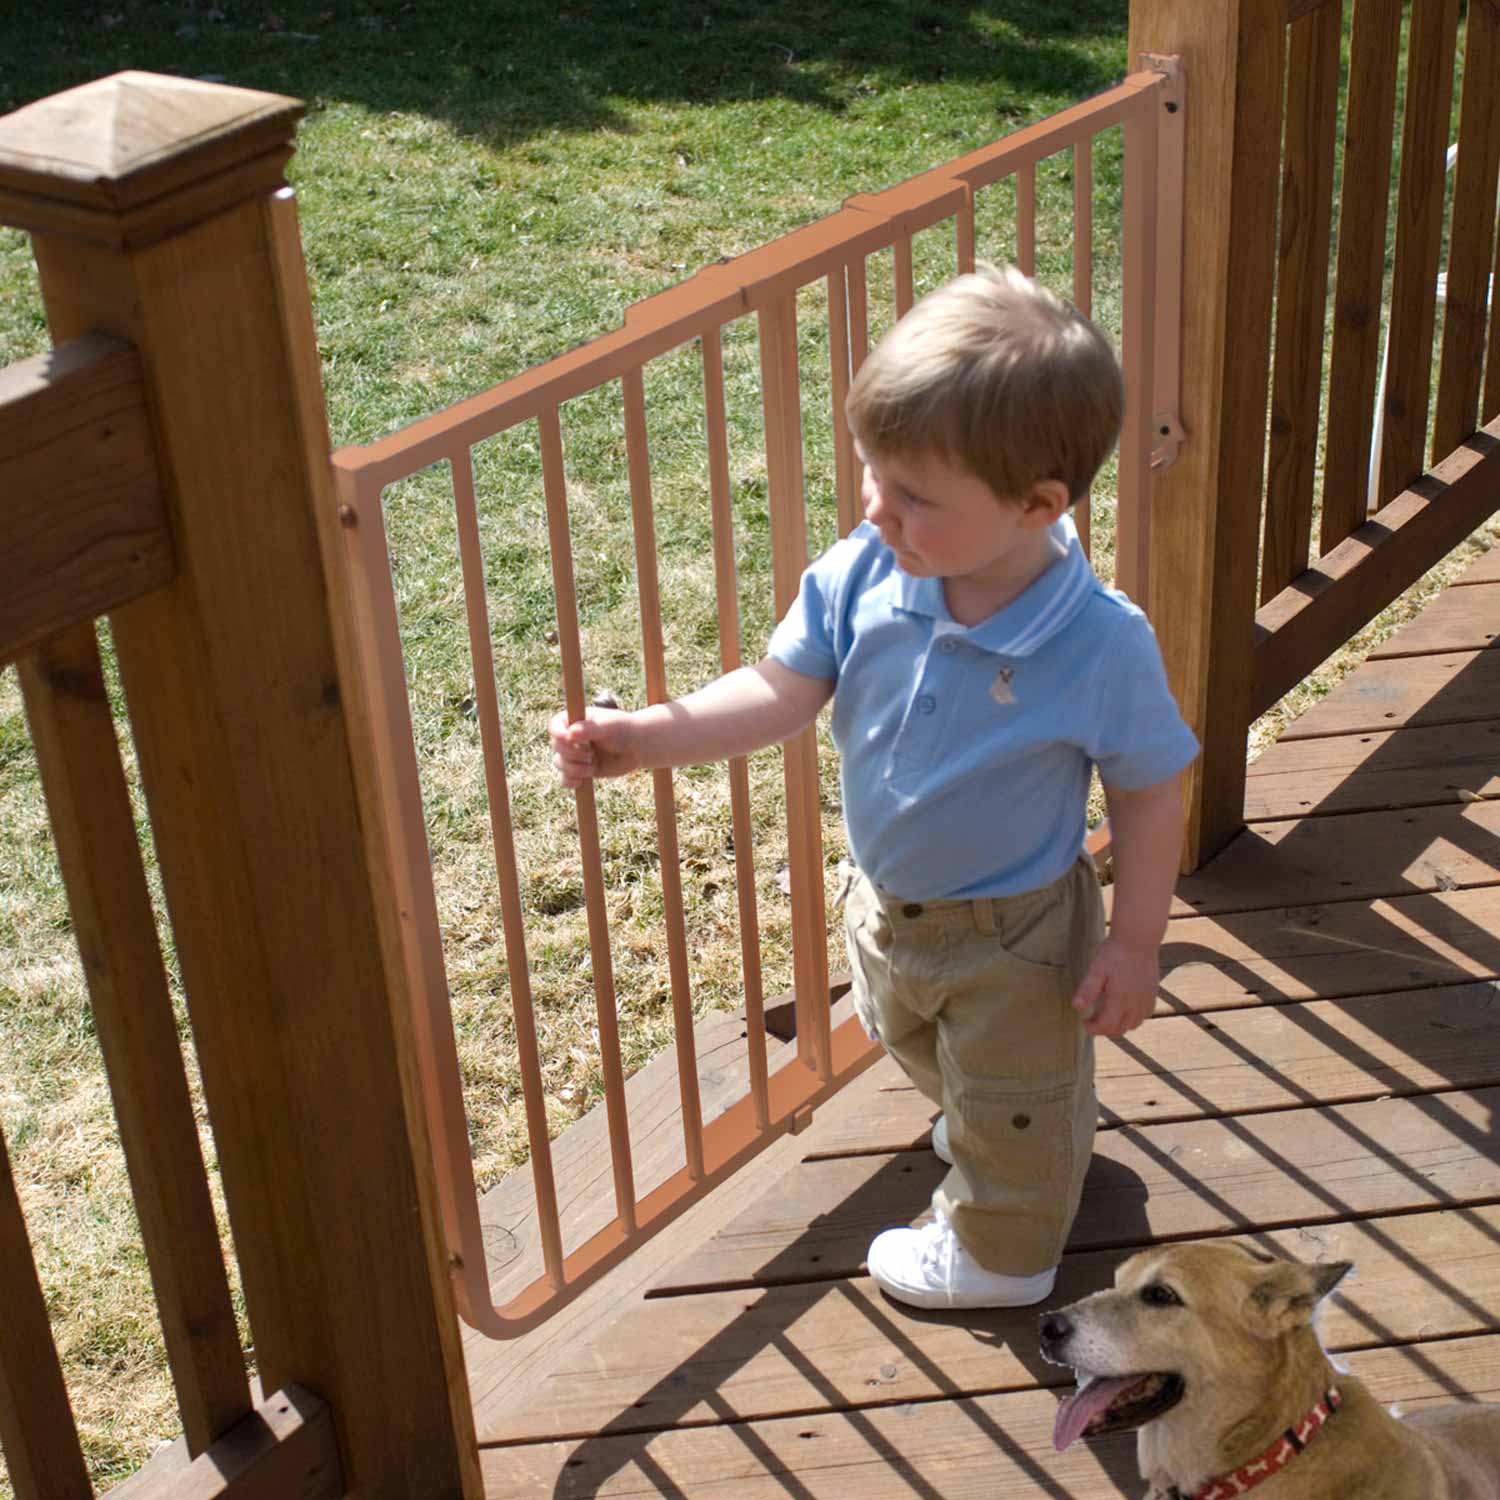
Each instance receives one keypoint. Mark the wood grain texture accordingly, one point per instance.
(83, 523)
(40, 1439)
(1324, 607)
(1202, 591)
(1301, 293)
(1431, 50)
(1364, 194)
(93, 827)
(1467, 290)
(247, 724)
(994, 1445)
(286, 1449)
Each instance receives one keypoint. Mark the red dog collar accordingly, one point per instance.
(1276, 1457)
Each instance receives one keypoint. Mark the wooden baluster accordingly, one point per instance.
(1026, 219)
(1301, 294)
(639, 463)
(93, 826)
(779, 392)
(502, 838)
(727, 597)
(594, 898)
(1470, 292)
(1419, 238)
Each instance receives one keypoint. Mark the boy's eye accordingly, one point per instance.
(1158, 1294)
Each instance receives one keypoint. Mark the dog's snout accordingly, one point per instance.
(1056, 1328)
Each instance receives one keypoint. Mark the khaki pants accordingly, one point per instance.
(974, 1000)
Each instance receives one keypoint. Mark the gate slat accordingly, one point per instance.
(1026, 219)
(1301, 294)
(37, 1429)
(905, 289)
(502, 838)
(1358, 281)
(93, 827)
(1083, 287)
(780, 396)
(845, 464)
(1466, 307)
(637, 456)
(727, 593)
(594, 898)
(1402, 435)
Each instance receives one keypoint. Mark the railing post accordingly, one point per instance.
(159, 215)
(1206, 507)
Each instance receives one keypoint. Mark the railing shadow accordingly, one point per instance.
(898, 1191)
(1325, 946)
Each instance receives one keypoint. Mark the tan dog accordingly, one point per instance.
(1209, 1350)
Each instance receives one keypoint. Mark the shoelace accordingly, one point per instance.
(939, 1247)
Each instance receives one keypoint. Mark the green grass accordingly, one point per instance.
(482, 187)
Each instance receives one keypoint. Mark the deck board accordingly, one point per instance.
(1322, 1075)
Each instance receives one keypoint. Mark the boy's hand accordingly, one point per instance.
(593, 747)
(1119, 990)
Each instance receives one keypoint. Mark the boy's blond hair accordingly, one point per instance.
(998, 376)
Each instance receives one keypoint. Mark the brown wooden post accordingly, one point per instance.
(1206, 508)
(159, 215)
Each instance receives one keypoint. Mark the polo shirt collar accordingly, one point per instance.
(1046, 607)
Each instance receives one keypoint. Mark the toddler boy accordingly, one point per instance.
(978, 671)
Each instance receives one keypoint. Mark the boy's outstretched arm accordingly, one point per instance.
(1119, 990)
(742, 711)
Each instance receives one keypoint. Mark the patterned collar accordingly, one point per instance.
(1291, 1442)
(1048, 604)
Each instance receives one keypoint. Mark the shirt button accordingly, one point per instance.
(947, 645)
(926, 703)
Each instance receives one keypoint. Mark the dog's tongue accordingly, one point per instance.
(1079, 1409)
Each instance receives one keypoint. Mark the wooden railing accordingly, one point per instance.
(1244, 607)
(166, 466)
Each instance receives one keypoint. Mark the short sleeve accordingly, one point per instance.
(804, 639)
(1137, 734)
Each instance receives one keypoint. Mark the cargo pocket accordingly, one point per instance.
(1010, 1053)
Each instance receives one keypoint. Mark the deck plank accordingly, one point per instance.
(1466, 619)
(1449, 687)
(1158, 1181)
(979, 1447)
(1350, 773)
(732, 1356)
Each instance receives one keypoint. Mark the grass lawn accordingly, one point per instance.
(482, 187)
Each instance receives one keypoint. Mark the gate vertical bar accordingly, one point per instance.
(654, 654)
(780, 395)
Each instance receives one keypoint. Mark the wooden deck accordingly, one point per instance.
(1322, 1073)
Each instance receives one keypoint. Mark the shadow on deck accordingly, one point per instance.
(1322, 1076)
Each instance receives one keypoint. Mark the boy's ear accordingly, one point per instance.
(1048, 499)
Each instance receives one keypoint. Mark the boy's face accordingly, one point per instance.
(943, 522)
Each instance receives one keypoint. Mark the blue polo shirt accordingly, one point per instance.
(967, 750)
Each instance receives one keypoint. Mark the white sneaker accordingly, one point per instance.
(928, 1267)
(940, 1140)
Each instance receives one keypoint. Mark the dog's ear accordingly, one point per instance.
(1285, 1295)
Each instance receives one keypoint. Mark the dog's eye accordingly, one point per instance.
(1158, 1294)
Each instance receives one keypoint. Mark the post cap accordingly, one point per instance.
(135, 157)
